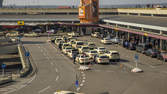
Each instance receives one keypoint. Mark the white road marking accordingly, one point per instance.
(82, 72)
(83, 81)
(42, 90)
(56, 69)
(57, 78)
(78, 88)
(81, 84)
(84, 78)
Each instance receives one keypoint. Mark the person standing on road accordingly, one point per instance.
(74, 57)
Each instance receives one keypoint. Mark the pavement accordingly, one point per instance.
(56, 72)
(113, 79)
(155, 21)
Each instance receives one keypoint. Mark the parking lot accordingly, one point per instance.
(115, 79)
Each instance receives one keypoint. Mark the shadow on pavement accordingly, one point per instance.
(33, 42)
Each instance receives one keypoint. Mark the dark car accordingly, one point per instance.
(152, 52)
(132, 46)
(162, 56)
(142, 47)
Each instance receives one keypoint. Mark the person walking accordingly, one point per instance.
(74, 58)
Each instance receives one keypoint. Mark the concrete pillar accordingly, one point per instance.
(142, 39)
(128, 36)
(46, 27)
(161, 44)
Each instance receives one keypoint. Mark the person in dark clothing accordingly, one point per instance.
(60, 46)
(74, 57)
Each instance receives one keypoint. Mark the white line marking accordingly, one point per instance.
(78, 88)
(82, 72)
(81, 84)
(56, 69)
(84, 78)
(42, 90)
(83, 81)
(57, 78)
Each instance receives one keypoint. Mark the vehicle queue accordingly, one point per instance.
(83, 52)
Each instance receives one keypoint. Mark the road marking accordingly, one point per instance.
(56, 69)
(83, 81)
(81, 84)
(78, 88)
(84, 78)
(57, 78)
(82, 72)
(42, 90)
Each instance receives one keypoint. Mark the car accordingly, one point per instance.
(66, 49)
(152, 52)
(12, 34)
(66, 92)
(74, 34)
(72, 52)
(78, 44)
(92, 53)
(101, 50)
(31, 34)
(113, 55)
(57, 40)
(101, 59)
(65, 45)
(72, 42)
(142, 47)
(162, 56)
(91, 45)
(115, 40)
(83, 49)
(83, 59)
(106, 41)
(95, 34)
(131, 46)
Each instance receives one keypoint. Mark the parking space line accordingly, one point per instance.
(42, 90)
(57, 78)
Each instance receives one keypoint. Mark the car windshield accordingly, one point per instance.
(85, 48)
(84, 56)
(80, 43)
(93, 51)
(103, 57)
(69, 48)
(102, 48)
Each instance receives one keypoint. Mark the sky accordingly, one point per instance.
(76, 2)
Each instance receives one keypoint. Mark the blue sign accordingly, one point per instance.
(27, 54)
(76, 83)
(136, 56)
(3, 66)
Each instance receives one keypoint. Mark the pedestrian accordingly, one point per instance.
(74, 57)
(60, 46)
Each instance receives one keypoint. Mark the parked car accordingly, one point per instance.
(65, 45)
(31, 35)
(66, 49)
(91, 45)
(78, 44)
(83, 49)
(92, 53)
(72, 52)
(131, 46)
(83, 59)
(162, 56)
(113, 55)
(115, 40)
(142, 47)
(74, 34)
(152, 52)
(106, 41)
(95, 34)
(101, 50)
(57, 40)
(101, 59)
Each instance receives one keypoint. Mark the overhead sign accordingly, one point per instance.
(3, 66)
(82, 12)
(27, 54)
(136, 56)
(76, 83)
(20, 22)
(145, 34)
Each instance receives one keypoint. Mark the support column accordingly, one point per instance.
(142, 39)
(128, 36)
(161, 44)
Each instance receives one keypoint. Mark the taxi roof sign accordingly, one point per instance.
(20, 22)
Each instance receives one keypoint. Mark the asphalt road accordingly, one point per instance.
(112, 79)
(55, 72)
(155, 21)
